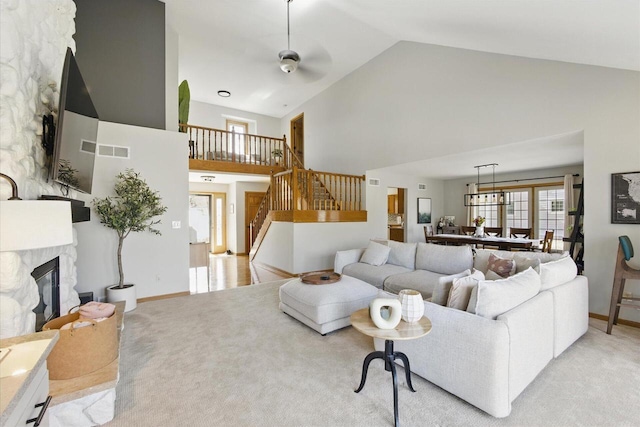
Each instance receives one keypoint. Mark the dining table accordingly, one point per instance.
(503, 243)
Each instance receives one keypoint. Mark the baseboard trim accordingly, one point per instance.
(620, 321)
(165, 296)
(273, 269)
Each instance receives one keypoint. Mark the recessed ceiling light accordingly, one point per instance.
(224, 93)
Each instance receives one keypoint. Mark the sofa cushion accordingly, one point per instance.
(374, 275)
(402, 254)
(420, 280)
(499, 296)
(461, 290)
(375, 254)
(443, 259)
(502, 266)
(441, 291)
(555, 273)
(523, 262)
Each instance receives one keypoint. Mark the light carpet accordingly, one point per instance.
(232, 358)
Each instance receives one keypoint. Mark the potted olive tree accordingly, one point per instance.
(132, 209)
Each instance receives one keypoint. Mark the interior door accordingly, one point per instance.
(252, 202)
(297, 136)
(218, 223)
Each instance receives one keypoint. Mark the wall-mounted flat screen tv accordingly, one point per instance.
(76, 131)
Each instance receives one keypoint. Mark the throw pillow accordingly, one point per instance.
(441, 291)
(375, 254)
(402, 254)
(502, 266)
(555, 273)
(523, 262)
(461, 290)
(499, 296)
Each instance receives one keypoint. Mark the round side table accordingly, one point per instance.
(404, 331)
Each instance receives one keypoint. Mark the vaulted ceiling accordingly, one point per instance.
(233, 44)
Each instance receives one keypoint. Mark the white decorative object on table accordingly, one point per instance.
(479, 231)
(412, 305)
(394, 308)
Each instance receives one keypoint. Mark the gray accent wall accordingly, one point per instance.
(120, 49)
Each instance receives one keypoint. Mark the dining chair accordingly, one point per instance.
(548, 241)
(468, 230)
(428, 231)
(451, 229)
(493, 231)
(622, 272)
(521, 233)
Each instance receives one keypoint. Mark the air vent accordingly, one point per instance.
(113, 151)
(422, 186)
(87, 147)
(374, 182)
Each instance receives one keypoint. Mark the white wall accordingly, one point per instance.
(376, 202)
(303, 247)
(215, 116)
(445, 100)
(156, 264)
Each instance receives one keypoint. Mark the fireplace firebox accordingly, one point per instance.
(47, 278)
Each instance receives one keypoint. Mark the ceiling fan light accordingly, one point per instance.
(288, 65)
(289, 61)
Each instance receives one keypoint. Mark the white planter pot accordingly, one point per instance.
(479, 231)
(126, 294)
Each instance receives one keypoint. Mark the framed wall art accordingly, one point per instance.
(424, 210)
(625, 198)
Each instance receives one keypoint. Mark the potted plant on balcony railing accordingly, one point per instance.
(276, 154)
(132, 209)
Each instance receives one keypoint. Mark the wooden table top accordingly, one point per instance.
(404, 331)
(504, 242)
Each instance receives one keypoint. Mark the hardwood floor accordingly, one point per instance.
(229, 271)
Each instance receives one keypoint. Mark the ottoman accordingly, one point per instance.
(326, 308)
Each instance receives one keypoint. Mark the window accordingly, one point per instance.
(551, 214)
(540, 207)
(240, 129)
(490, 214)
(518, 210)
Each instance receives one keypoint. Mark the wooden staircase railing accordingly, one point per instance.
(301, 195)
(295, 194)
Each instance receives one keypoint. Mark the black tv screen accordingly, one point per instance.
(76, 131)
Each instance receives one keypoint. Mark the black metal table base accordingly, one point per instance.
(389, 356)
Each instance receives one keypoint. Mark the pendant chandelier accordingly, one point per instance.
(487, 198)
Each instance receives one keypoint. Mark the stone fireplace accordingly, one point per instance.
(19, 291)
(47, 277)
(35, 35)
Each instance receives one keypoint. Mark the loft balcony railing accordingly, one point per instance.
(217, 145)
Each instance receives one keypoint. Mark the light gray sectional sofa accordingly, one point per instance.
(419, 266)
(487, 362)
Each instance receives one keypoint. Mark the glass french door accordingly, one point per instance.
(207, 222)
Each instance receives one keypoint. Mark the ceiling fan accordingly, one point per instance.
(289, 59)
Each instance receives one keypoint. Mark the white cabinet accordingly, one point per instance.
(33, 403)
